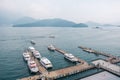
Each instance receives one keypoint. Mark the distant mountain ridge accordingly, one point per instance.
(94, 24)
(51, 22)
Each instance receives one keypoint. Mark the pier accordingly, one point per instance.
(68, 71)
(96, 52)
(63, 52)
(82, 66)
(107, 64)
(110, 58)
(113, 68)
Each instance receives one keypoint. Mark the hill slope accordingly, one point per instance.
(51, 22)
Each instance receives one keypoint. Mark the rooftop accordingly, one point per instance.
(102, 76)
(108, 65)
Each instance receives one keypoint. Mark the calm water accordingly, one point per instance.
(13, 40)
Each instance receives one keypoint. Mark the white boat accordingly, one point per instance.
(31, 49)
(70, 57)
(45, 62)
(32, 42)
(32, 66)
(36, 54)
(51, 47)
(26, 56)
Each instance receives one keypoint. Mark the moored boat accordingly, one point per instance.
(51, 47)
(70, 57)
(32, 42)
(31, 49)
(46, 63)
(26, 56)
(32, 66)
(36, 54)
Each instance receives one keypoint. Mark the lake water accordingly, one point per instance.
(13, 41)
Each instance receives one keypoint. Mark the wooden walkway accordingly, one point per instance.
(31, 78)
(110, 57)
(68, 71)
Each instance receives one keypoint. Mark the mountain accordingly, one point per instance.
(108, 25)
(94, 24)
(50, 22)
(80, 25)
(24, 20)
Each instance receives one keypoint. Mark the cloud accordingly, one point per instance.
(103, 11)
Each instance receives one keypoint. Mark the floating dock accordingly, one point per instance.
(107, 66)
(83, 66)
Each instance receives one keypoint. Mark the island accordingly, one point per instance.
(51, 23)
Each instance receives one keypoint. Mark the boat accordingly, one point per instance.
(36, 54)
(88, 50)
(32, 42)
(26, 56)
(46, 63)
(70, 57)
(32, 66)
(51, 47)
(97, 27)
(31, 49)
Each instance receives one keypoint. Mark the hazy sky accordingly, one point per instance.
(103, 11)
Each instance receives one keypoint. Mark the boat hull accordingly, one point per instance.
(70, 59)
(51, 49)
